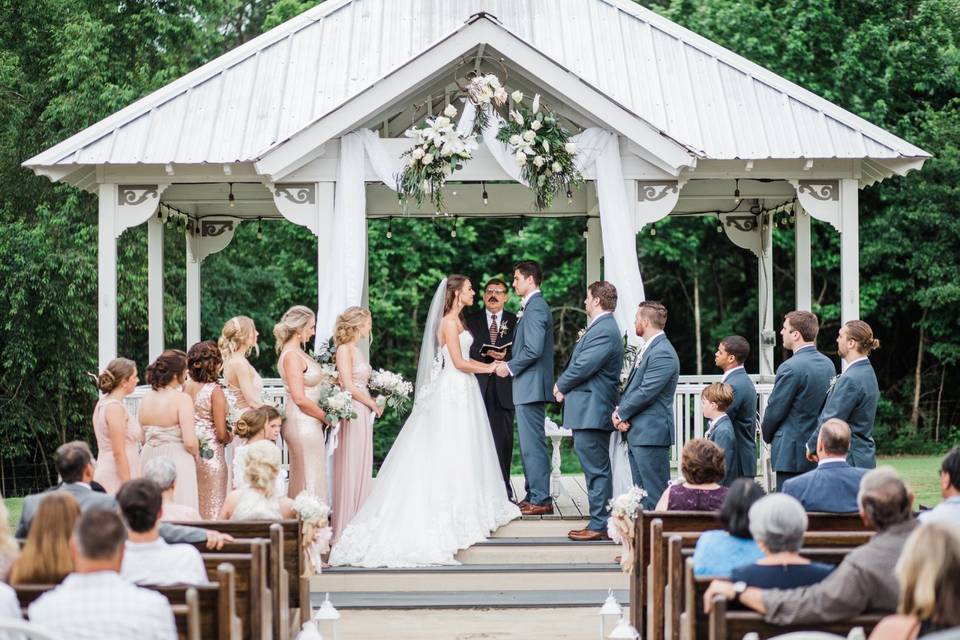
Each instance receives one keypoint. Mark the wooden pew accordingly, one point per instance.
(286, 564)
(252, 595)
(665, 571)
(698, 521)
(217, 603)
(186, 609)
(733, 625)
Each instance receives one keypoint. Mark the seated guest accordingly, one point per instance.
(148, 559)
(94, 602)
(777, 523)
(714, 402)
(831, 487)
(949, 510)
(718, 552)
(701, 464)
(9, 548)
(163, 471)
(46, 557)
(929, 575)
(74, 464)
(861, 582)
(259, 500)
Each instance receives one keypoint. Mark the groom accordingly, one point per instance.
(532, 369)
(588, 390)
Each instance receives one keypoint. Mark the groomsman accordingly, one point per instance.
(853, 397)
(798, 392)
(588, 390)
(731, 353)
(531, 367)
(645, 412)
(496, 326)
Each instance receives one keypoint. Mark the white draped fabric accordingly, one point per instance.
(598, 157)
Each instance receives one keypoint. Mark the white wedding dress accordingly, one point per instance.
(440, 488)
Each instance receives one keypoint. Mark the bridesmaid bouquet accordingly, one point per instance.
(394, 390)
(623, 513)
(315, 516)
(337, 404)
(206, 446)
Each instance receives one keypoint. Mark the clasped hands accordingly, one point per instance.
(618, 423)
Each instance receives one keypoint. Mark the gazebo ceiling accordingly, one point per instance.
(698, 94)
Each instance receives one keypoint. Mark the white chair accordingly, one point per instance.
(11, 629)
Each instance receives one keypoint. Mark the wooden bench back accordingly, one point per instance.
(733, 625)
(699, 521)
(254, 607)
(217, 603)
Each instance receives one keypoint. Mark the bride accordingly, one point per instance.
(439, 489)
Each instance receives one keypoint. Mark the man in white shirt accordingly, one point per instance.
(148, 558)
(94, 602)
(947, 511)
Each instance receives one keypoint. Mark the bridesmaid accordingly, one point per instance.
(210, 417)
(166, 414)
(303, 428)
(118, 434)
(237, 340)
(353, 459)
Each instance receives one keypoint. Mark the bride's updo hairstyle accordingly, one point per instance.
(263, 465)
(860, 332)
(455, 283)
(253, 421)
(237, 332)
(169, 366)
(117, 371)
(295, 319)
(350, 324)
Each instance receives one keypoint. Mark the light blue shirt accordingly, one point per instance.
(718, 553)
(947, 512)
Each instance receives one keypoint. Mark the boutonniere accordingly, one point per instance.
(833, 383)
(519, 314)
(580, 333)
(504, 328)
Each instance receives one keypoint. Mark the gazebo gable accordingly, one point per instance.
(481, 38)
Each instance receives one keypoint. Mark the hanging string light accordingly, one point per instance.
(653, 229)
(523, 223)
(586, 228)
(736, 193)
(486, 198)
(719, 225)
(453, 231)
(569, 196)
(231, 198)
(259, 228)
(389, 228)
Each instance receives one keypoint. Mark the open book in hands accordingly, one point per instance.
(494, 347)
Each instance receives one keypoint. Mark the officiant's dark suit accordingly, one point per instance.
(497, 392)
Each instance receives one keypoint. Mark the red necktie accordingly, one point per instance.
(493, 329)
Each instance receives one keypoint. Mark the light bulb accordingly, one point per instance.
(389, 234)
(653, 231)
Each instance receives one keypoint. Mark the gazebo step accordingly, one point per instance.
(470, 599)
(549, 550)
(537, 528)
(473, 577)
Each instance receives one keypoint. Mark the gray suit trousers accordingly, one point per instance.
(650, 467)
(533, 452)
(593, 449)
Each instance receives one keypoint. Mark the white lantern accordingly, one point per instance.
(624, 631)
(327, 619)
(609, 613)
(309, 631)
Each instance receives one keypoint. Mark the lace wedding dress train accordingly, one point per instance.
(440, 488)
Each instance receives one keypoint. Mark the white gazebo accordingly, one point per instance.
(262, 132)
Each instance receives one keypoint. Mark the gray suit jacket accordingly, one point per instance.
(792, 409)
(531, 363)
(647, 400)
(589, 383)
(743, 415)
(854, 400)
(721, 434)
(87, 498)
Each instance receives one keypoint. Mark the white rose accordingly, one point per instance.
(529, 135)
(570, 148)
(557, 167)
(517, 96)
(427, 158)
(521, 158)
(418, 153)
(538, 161)
(450, 111)
(546, 146)
(515, 139)
(494, 81)
(500, 96)
(517, 117)
(536, 103)
(411, 162)
(535, 125)
(442, 122)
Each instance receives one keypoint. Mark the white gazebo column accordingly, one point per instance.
(804, 286)
(194, 261)
(767, 337)
(849, 250)
(594, 256)
(107, 275)
(155, 286)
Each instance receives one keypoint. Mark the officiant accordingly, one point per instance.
(494, 327)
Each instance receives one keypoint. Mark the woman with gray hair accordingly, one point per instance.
(163, 471)
(777, 523)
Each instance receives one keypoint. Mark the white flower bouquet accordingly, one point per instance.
(485, 90)
(205, 443)
(439, 150)
(542, 149)
(315, 516)
(394, 390)
(325, 352)
(337, 404)
(623, 513)
(233, 409)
